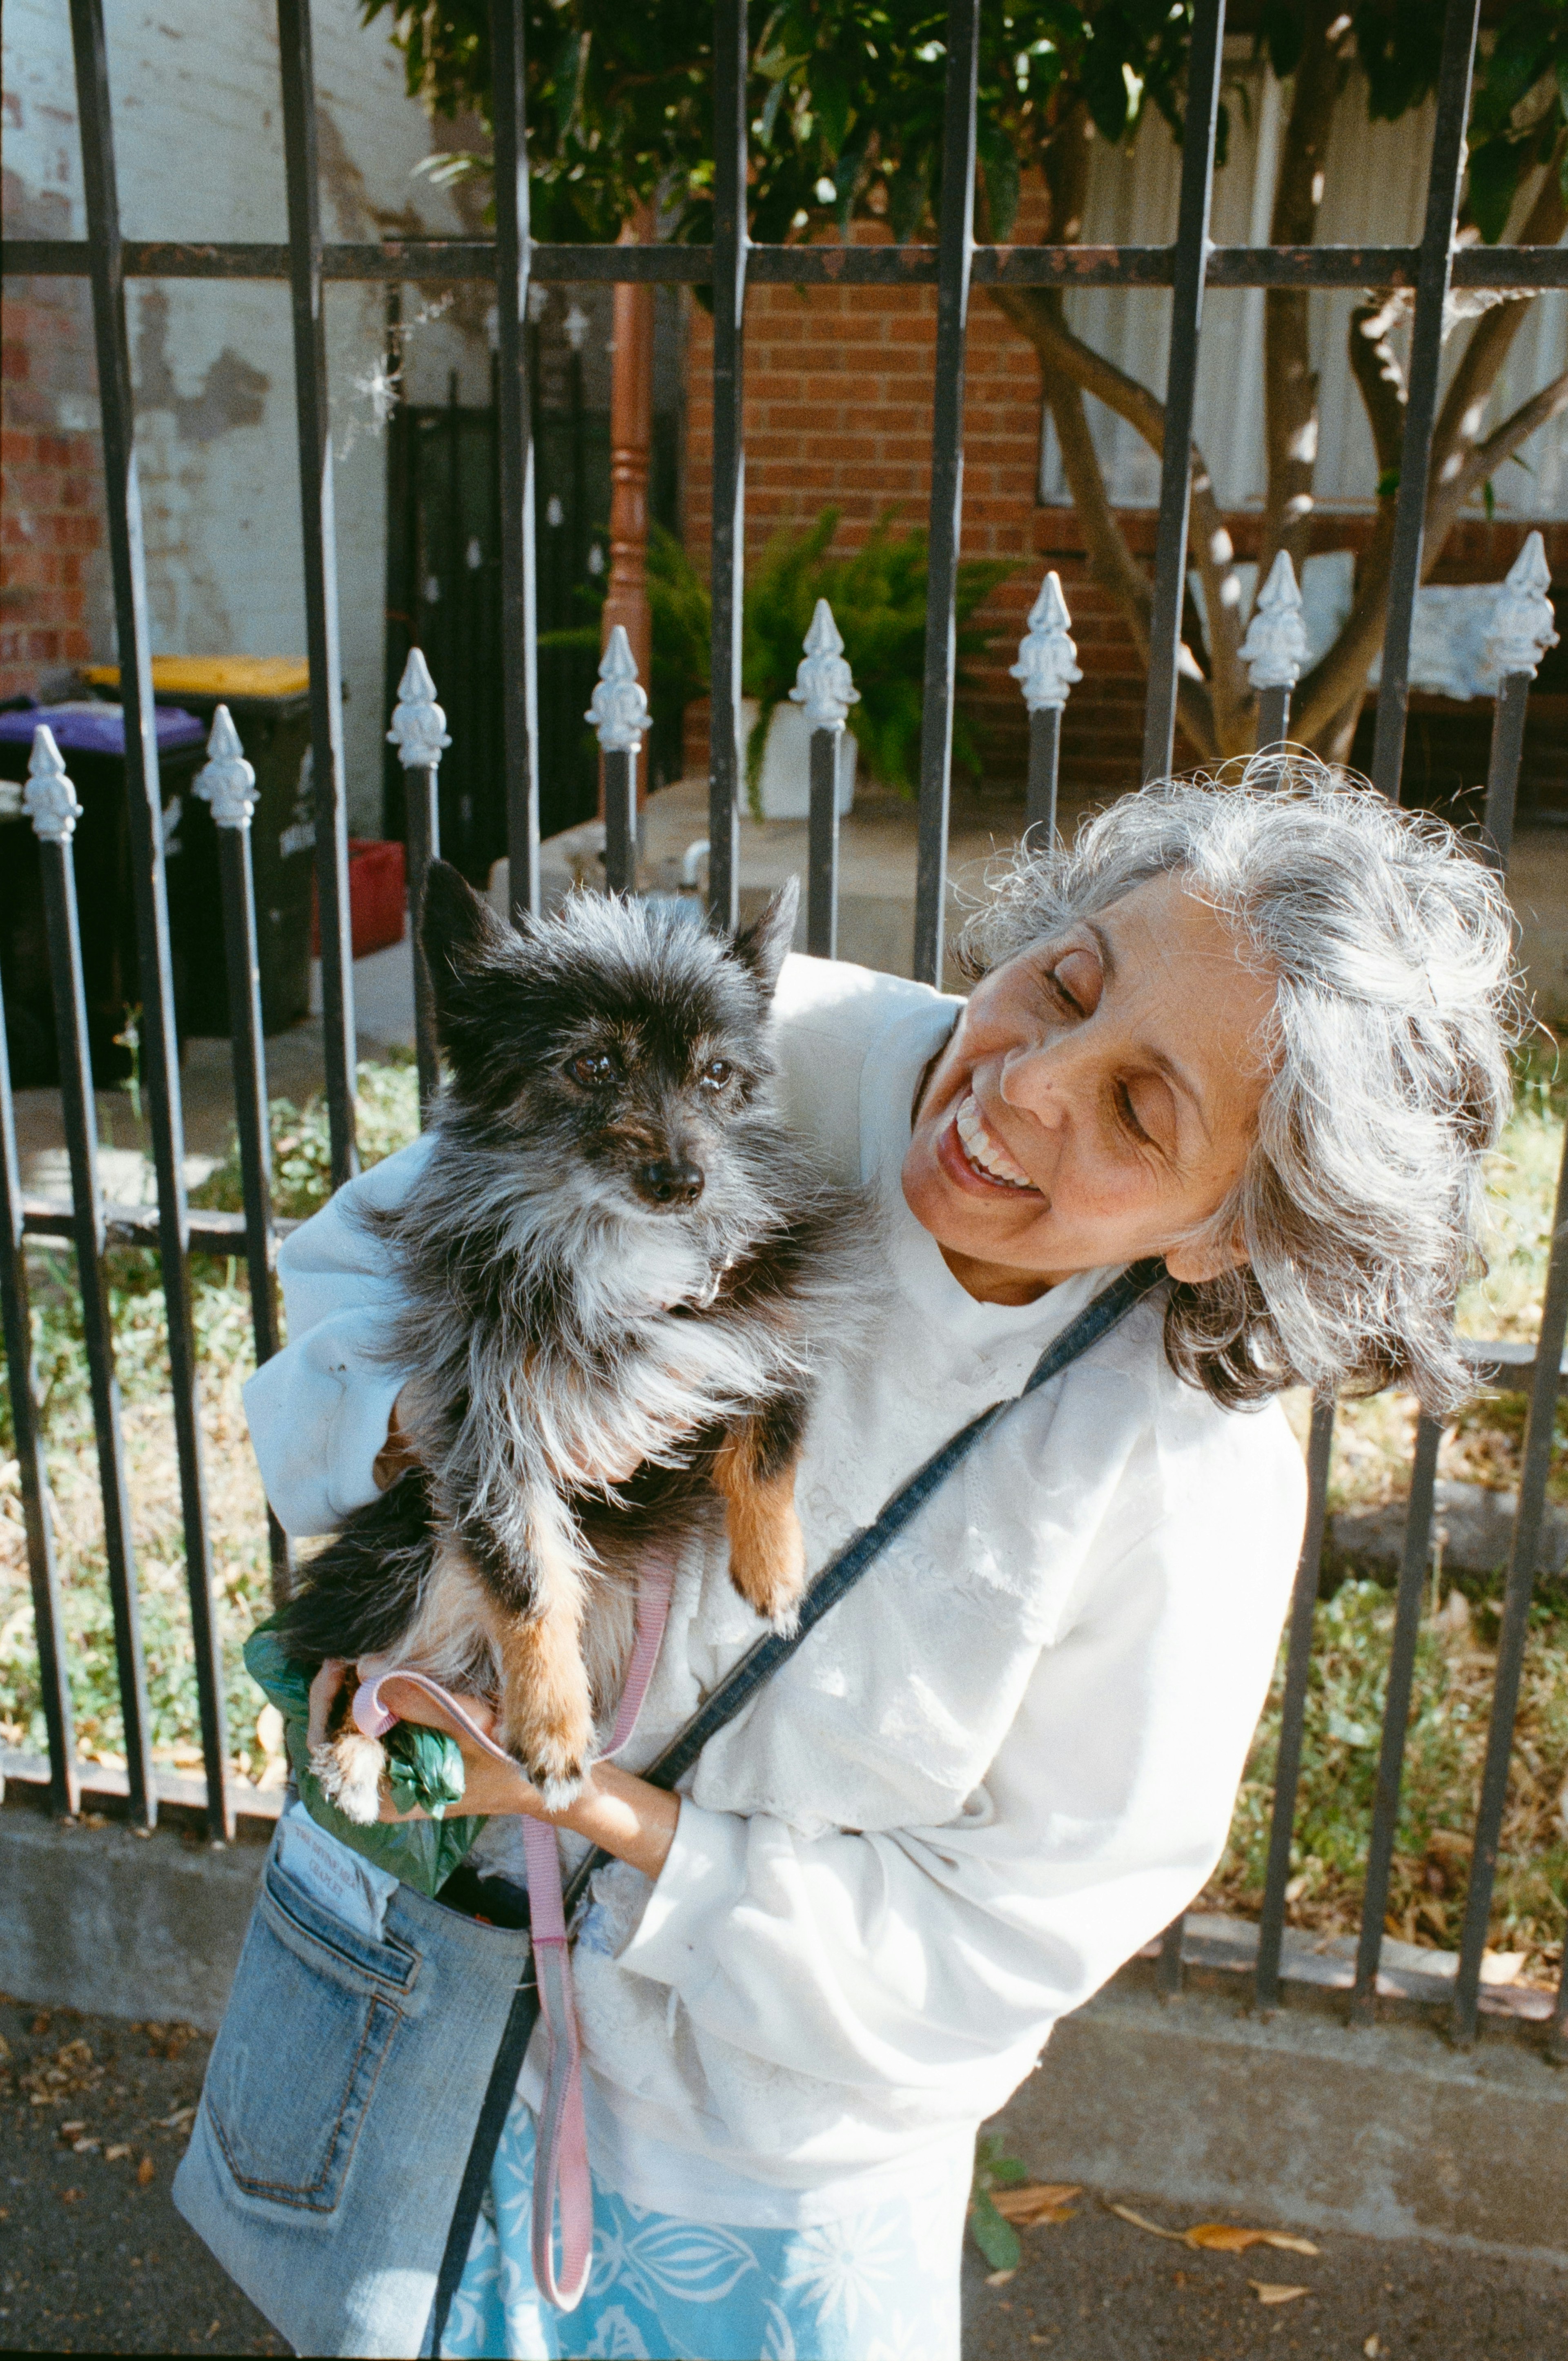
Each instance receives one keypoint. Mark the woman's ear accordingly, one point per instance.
(1204, 1257)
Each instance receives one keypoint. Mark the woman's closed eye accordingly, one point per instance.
(1075, 981)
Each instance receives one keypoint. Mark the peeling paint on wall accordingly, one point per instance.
(198, 136)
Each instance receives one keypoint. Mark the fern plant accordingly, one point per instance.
(878, 597)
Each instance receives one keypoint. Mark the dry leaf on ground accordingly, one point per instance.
(1273, 2292)
(1373, 2348)
(115, 2155)
(145, 2171)
(1138, 2222)
(1032, 2201)
(1221, 2238)
(999, 2278)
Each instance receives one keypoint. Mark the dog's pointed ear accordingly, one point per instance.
(763, 945)
(461, 938)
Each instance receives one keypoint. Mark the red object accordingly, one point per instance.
(378, 896)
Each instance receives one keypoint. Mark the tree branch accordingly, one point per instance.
(1470, 474)
(1379, 379)
(1036, 313)
(1491, 338)
(1289, 381)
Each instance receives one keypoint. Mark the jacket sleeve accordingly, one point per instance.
(318, 1409)
(936, 1960)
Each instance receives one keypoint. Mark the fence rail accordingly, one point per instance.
(1046, 670)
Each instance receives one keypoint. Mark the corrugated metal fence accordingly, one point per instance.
(1045, 671)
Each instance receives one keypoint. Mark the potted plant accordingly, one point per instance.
(878, 597)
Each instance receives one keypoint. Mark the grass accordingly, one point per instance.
(1373, 1444)
(388, 1110)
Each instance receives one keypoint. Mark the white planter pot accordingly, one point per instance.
(786, 762)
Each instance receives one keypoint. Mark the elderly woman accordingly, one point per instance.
(1256, 1031)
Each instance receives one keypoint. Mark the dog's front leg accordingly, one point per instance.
(754, 1470)
(546, 1707)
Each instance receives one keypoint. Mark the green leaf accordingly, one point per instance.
(1281, 35)
(1495, 170)
(997, 2239)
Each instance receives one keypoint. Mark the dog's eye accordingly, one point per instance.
(716, 1073)
(594, 1069)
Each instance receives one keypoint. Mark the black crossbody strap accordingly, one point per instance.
(841, 1574)
(734, 1691)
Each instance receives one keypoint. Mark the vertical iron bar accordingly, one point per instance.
(1205, 59)
(1503, 769)
(79, 1115)
(1513, 1629)
(822, 847)
(1424, 376)
(159, 1048)
(421, 809)
(1273, 715)
(228, 770)
(1395, 1718)
(1168, 1968)
(1557, 2031)
(727, 570)
(1044, 757)
(621, 820)
(319, 530)
(37, 1515)
(520, 656)
(1293, 1711)
(955, 255)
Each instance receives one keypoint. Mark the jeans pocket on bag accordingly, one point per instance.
(313, 2010)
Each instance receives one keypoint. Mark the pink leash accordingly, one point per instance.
(561, 2165)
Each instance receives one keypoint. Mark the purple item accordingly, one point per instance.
(86, 726)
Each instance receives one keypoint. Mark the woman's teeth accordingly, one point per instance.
(984, 1152)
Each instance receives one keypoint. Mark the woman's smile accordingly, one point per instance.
(971, 1151)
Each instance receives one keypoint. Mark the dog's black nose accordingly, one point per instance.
(671, 1180)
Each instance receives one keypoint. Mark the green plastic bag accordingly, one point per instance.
(425, 1770)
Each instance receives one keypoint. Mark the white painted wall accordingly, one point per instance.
(198, 132)
(1375, 194)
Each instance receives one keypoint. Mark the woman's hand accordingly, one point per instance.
(613, 1809)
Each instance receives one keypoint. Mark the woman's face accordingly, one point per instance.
(1097, 1100)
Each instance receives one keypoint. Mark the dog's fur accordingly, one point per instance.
(615, 1259)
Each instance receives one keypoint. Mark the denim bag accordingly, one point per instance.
(361, 2079)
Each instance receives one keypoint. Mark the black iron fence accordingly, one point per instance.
(1045, 671)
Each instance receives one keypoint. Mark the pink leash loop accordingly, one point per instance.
(561, 2161)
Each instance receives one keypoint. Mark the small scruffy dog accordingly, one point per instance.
(619, 1271)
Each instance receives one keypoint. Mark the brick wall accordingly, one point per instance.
(53, 566)
(838, 398)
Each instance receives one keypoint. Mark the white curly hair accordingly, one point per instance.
(1360, 1206)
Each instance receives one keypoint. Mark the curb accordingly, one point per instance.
(1291, 2117)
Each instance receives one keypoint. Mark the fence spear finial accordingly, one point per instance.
(1523, 626)
(619, 709)
(226, 780)
(419, 725)
(50, 799)
(823, 682)
(1047, 667)
(1275, 648)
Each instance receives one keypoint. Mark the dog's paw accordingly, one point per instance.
(769, 1573)
(349, 1768)
(553, 1757)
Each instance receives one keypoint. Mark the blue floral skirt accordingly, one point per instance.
(877, 2285)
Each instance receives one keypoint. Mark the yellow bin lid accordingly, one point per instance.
(216, 675)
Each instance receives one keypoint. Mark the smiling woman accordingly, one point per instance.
(1271, 1020)
(1254, 1031)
